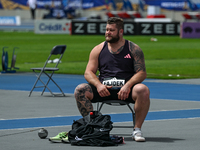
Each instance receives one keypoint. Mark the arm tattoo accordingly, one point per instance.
(138, 56)
(83, 103)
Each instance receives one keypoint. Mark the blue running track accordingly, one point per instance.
(162, 91)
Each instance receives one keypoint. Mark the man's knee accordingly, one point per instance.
(83, 89)
(80, 88)
(141, 90)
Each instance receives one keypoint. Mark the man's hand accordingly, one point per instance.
(123, 93)
(103, 90)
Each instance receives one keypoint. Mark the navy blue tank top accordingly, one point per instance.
(119, 65)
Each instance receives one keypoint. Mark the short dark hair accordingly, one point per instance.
(118, 21)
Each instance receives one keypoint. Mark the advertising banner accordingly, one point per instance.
(130, 28)
(190, 30)
(10, 20)
(74, 4)
(177, 5)
(52, 26)
(22, 4)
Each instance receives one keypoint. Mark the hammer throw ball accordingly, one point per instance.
(42, 133)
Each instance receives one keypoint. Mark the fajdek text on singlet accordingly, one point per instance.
(114, 82)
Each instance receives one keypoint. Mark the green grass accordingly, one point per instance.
(169, 55)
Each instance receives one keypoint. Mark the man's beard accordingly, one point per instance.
(113, 39)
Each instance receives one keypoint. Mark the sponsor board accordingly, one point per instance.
(130, 28)
(85, 27)
(52, 26)
(158, 29)
(175, 5)
(190, 30)
(10, 20)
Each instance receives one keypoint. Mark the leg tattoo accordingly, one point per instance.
(83, 103)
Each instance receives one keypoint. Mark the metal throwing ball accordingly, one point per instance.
(42, 133)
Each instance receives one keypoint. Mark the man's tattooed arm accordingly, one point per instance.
(138, 56)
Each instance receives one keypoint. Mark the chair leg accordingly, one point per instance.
(99, 108)
(38, 78)
(133, 115)
(50, 78)
(45, 85)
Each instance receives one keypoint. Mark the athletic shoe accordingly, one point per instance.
(137, 136)
(58, 138)
(65, 140)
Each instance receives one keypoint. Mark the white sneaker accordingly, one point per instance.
(137, 136)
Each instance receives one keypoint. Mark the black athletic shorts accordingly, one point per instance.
(113, 95)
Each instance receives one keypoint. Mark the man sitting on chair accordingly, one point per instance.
(121, 68)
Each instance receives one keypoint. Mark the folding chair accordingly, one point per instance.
(118, 103)
(57, 50)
